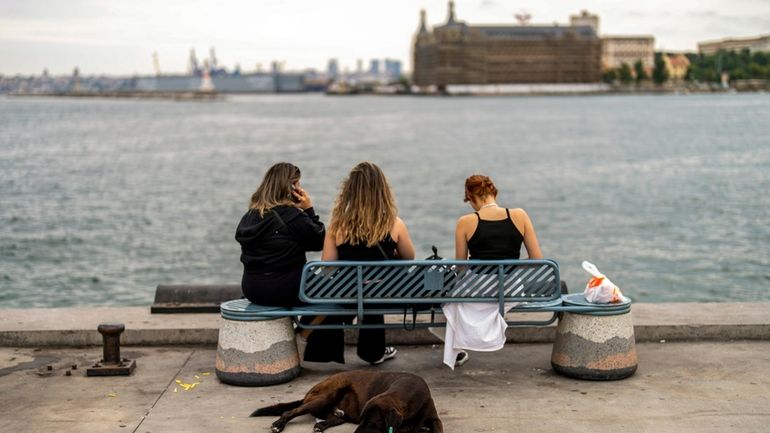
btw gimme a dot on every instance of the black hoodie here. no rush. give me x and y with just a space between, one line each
272 244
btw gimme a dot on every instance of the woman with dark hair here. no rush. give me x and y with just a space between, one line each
276 231
365 226
491 232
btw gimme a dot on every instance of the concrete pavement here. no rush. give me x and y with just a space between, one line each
679 387
702 367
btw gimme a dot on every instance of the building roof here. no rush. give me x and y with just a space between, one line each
742 39
678 60
526 32
629 37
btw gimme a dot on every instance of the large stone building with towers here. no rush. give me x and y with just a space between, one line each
457 53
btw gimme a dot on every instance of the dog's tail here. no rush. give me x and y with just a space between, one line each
277 409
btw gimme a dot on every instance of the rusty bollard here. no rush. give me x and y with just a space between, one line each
111 364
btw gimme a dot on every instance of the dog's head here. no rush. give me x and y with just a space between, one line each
378 418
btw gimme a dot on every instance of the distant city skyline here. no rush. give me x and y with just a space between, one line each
119 38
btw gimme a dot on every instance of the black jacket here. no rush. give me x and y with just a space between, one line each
272 244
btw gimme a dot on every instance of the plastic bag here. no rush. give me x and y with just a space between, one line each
600 290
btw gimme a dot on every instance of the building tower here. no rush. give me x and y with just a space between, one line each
192 64
424 54
585 19
332 68
213 66
156 63
451 18
374 67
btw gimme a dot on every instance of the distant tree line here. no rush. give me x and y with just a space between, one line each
740 65
626 74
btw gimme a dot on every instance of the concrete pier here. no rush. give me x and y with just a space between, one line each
702 367
77 326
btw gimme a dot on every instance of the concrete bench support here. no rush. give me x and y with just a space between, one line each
595 347
257 352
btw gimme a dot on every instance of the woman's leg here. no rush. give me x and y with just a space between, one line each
278 289
371 342
326 345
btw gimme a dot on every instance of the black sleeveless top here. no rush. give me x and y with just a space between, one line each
495 240
360 252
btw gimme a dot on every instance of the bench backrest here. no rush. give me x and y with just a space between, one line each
430 281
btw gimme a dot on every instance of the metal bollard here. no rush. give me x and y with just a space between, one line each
111 363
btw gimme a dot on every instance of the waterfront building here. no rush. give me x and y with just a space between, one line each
629 49
617 49
753 44
676 65
457 53
585 19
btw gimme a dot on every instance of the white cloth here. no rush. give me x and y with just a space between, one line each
472 326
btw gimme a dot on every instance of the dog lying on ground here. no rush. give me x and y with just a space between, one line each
381 402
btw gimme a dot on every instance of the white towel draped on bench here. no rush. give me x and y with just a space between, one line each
472 326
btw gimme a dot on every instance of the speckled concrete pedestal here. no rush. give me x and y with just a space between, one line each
595 347
257 353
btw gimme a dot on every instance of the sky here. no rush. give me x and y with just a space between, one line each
118 37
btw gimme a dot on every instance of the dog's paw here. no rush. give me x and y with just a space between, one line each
339 413
276 428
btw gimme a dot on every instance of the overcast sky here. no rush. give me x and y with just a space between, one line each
119 36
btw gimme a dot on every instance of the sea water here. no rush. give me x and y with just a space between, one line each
102 200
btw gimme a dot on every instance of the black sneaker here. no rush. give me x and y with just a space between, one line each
390 353
462 358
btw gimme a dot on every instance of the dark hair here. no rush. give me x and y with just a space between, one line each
479 185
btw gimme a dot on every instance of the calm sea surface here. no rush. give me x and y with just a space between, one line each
102 200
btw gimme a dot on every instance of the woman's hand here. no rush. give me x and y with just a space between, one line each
301 198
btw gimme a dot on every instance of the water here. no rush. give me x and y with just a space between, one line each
102 200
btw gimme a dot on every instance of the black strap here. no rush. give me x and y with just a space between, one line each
382 251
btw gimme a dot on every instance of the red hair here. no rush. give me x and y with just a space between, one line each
479 185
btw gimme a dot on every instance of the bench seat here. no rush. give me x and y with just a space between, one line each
417 288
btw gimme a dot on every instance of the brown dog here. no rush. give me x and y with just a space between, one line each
389 402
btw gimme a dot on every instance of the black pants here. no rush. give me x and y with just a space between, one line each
328 345
281 289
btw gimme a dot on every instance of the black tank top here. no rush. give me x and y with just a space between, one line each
495 240
360 252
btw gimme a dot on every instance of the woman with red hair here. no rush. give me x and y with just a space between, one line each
491 232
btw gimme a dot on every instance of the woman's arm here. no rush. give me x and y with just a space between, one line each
308 230
461 239
530 237
404 245
329 253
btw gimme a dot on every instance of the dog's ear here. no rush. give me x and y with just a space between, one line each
393 420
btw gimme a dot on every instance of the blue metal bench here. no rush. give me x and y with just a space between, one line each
417 288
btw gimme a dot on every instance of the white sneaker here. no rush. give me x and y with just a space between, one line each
390 353
462 358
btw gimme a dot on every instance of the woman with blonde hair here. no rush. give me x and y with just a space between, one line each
364 225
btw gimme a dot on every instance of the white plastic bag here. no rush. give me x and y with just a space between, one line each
600 290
